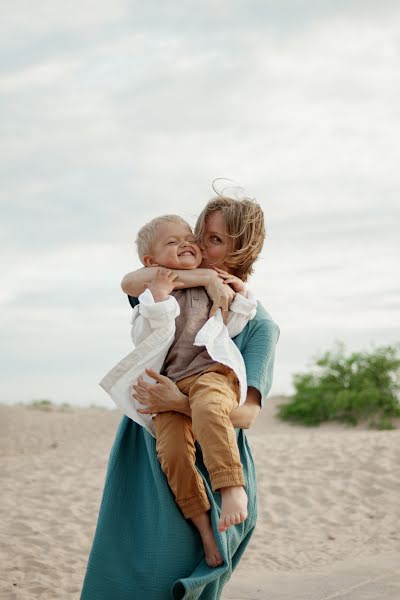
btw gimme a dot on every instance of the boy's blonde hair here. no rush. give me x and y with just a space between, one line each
244 220
146 235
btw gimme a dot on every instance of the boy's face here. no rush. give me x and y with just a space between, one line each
174 248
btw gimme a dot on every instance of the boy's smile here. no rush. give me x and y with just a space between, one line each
174 248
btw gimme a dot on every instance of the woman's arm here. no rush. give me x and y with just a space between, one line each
244 417
165 396
135 283
258 354
258 351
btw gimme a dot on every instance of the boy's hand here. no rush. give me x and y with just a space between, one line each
162 284
236 284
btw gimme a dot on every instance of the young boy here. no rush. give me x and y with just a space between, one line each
173 334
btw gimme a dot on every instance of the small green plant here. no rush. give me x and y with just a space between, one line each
363 386
42 404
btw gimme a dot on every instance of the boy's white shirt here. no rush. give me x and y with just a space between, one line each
153 332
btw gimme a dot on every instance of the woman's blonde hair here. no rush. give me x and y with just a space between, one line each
244 220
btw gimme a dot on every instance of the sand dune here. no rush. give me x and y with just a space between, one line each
324 495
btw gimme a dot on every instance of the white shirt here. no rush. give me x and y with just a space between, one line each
153 332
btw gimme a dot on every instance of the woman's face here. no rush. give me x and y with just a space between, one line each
216 244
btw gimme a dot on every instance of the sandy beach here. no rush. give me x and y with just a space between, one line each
328 498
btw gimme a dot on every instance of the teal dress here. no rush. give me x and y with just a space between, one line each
143 548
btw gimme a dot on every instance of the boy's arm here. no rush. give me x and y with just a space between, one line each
221 295
156 308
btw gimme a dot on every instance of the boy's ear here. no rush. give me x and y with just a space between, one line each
149 261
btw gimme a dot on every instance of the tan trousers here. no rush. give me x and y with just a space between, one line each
212 395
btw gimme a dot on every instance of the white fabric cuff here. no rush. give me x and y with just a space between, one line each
158 313
246 306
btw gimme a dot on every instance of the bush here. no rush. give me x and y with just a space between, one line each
42 404
362 386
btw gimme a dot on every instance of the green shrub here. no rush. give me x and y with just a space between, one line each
42 404
361 386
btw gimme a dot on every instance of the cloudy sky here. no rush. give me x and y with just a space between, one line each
115 112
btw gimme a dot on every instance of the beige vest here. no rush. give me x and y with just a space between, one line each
183 358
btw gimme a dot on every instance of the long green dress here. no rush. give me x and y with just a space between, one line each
143 548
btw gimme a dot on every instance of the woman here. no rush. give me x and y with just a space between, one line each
143 547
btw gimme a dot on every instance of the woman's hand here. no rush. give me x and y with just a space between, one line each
234 282
164 396
221 295
161 396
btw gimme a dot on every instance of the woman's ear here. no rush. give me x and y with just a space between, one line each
149 261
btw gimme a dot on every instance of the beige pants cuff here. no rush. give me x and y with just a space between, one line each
194 506
230 478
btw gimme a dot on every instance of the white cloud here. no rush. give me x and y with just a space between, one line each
115 113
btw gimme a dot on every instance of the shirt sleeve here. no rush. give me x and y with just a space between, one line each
259 355
241 311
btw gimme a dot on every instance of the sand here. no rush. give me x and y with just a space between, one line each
326 495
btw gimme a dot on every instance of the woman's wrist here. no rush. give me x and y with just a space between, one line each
135 283
213 284
183 405
195 277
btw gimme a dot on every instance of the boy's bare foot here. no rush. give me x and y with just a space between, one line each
234 507
213 557
212 554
